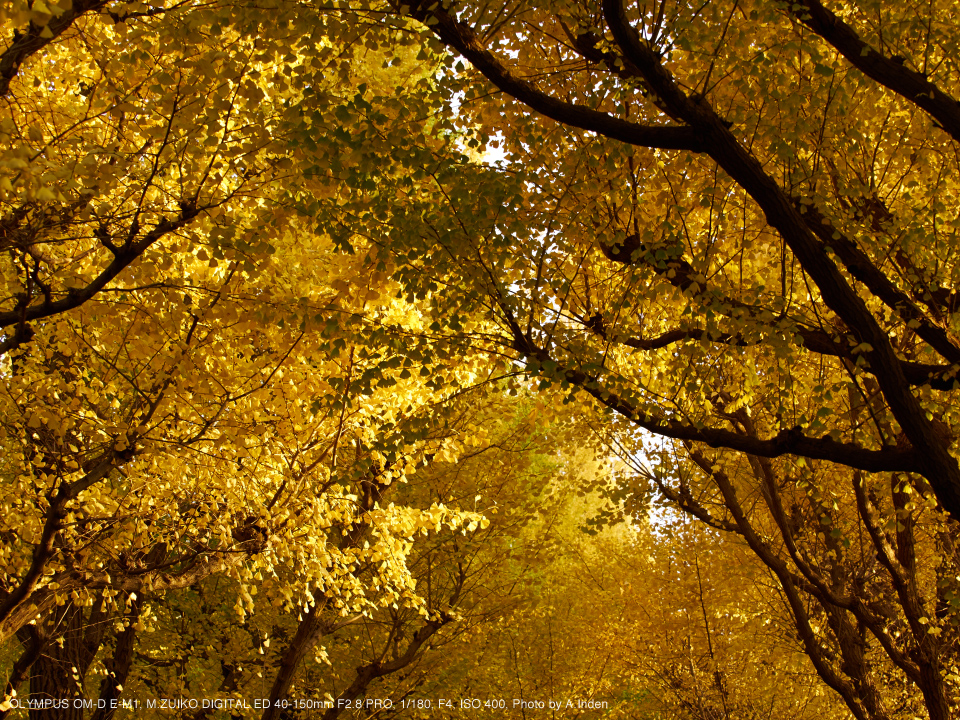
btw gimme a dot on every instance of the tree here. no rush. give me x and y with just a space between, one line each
253 253
809 207
462 578
197 388
730 225
656 618
329 640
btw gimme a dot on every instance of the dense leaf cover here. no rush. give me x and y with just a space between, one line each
515 350
737 231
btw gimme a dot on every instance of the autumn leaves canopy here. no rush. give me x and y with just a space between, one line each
271 271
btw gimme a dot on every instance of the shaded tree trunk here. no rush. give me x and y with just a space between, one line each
118 667
72 641
32 645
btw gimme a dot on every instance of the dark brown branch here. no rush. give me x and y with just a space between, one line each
461 38
313 625
683 498
828 594
936 376
922 665
679 273
125 255
310 629
31 652
938 465
118 667
864 270
45 548
202 565
377 669
27 43
889 72
786 442
814 650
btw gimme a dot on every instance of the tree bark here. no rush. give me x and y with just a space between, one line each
118 667
32 646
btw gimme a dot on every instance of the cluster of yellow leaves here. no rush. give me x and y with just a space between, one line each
198 386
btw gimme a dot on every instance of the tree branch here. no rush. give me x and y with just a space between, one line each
121 259
679 273
461 38
371 671
864 270
889 72
27 43
786 442
938 465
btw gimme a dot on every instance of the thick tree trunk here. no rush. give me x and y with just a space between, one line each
72 640
55 682
309 630
32 645
934 696
118 667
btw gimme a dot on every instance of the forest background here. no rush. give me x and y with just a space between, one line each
593 352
